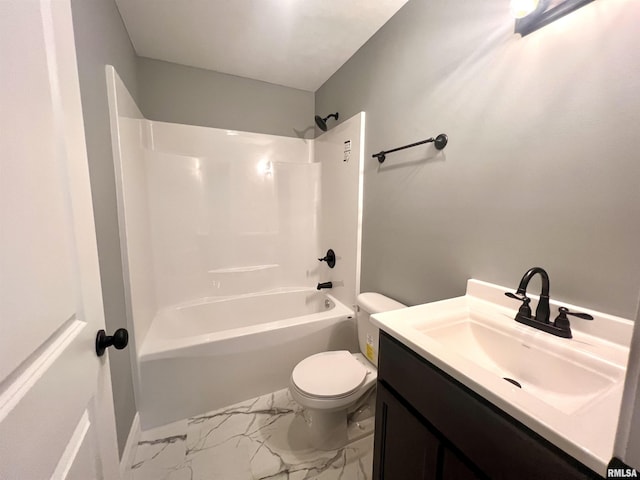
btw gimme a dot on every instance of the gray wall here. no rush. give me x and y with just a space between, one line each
101 39
179 94
542 165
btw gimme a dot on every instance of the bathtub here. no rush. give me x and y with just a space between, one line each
216 352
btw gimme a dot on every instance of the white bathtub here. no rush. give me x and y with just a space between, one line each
213 353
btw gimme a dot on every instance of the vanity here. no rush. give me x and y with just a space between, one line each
465 391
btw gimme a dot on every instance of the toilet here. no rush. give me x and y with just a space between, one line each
328 384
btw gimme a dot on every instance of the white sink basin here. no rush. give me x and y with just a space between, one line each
563 378
570 389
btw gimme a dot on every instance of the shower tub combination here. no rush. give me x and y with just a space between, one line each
211 218
215 352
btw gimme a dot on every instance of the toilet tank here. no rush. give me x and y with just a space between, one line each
369 304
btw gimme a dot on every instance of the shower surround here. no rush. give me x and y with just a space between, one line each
230 212
211 215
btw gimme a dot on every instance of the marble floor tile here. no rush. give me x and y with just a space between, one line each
160 451
227 462
259 439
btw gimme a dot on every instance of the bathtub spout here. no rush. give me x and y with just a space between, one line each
324 285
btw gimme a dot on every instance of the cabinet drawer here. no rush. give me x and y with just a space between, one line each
497 444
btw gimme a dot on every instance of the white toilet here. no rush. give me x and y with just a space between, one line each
327 384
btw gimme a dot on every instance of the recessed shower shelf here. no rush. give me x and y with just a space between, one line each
248 268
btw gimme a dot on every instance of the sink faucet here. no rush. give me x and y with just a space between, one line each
541 318
542 311
560 327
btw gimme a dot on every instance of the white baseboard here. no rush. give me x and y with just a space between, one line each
129 453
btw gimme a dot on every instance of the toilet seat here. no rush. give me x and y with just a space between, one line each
329 375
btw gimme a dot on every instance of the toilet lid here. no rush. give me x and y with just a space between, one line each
329 374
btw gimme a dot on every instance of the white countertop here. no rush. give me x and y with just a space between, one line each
584 426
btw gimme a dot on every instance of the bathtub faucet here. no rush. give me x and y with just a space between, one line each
324 285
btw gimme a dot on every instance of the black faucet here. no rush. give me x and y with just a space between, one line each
324 285
560 327
542 311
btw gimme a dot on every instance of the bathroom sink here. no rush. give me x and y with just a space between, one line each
568 390
562 377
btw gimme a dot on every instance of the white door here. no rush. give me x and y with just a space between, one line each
56 408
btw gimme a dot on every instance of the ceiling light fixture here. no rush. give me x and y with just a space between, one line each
522 8
534 14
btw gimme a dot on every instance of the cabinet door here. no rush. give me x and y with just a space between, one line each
404 448
454 468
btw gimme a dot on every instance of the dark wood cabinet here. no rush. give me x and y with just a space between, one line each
430 426
407 449
454 467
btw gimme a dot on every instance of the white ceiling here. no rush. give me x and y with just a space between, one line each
295 43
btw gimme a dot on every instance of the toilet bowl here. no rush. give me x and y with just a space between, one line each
328 384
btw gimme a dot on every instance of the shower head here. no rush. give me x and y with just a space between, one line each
322 122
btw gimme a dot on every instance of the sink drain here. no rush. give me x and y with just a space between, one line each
511 380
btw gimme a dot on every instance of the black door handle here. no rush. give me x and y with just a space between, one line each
119 339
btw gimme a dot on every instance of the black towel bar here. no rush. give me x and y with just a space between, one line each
440 142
